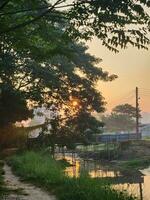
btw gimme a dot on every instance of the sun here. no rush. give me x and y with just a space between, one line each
75 103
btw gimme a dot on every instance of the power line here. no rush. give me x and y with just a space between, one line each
144 89
124 98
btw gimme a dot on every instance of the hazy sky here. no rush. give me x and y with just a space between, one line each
133 69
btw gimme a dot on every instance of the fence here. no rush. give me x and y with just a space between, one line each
118 137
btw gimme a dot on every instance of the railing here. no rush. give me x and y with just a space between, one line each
122 137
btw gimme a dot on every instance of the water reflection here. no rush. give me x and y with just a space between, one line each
134 182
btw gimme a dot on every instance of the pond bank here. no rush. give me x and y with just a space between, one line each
132 155
42 170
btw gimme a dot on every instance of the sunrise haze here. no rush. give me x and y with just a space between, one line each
133 69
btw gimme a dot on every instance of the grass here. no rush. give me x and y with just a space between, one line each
44 171
39 168
135 164
95 147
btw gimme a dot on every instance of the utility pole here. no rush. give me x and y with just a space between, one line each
137 112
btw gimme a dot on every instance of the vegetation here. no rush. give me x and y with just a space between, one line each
35 68
43 62
38 167
126 109
84 19
12 137
135 164
85 188
122 118
43 170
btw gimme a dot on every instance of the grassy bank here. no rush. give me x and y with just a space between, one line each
42 170
129 155
135 164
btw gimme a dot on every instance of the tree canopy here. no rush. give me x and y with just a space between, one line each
109 20
37 77
42 60
122 118
126 109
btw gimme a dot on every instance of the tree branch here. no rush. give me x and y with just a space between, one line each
13 28
41 8
4 4
24 10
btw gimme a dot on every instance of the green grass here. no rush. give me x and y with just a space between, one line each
136 163
95 147
147 138
85 188
41 169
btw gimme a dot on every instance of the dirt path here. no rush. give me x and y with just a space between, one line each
27 191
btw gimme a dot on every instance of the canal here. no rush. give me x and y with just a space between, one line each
134 182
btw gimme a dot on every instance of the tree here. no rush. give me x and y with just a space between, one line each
126 109
122 118
118 122
109 20
12 106
40 54
51 81
83 126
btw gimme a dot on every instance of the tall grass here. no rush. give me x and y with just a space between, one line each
136 163
38 167
86 188
41 169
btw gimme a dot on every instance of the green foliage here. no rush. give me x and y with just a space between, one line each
40 55
12 137
36 64
135 163
109 20
126 109
38 168
122 118
83 126
85 188
118 122
43 170
36 68
12 106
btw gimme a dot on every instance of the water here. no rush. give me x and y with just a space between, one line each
134 182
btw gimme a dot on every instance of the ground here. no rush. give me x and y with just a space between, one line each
23 191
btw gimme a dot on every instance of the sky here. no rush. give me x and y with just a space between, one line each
133 69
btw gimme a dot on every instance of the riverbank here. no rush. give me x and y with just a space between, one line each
130 156
40 169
